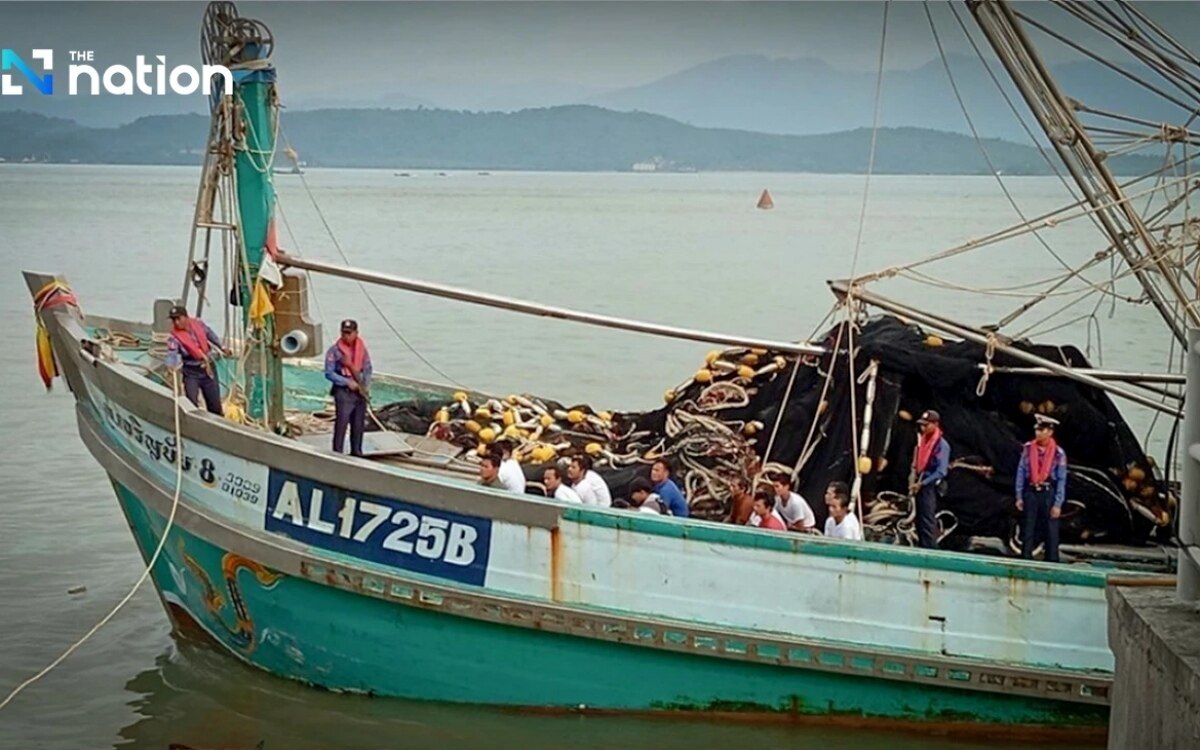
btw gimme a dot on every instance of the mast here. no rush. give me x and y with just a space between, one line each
1056 115
238 182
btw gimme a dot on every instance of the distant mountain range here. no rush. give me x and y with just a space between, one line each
570 138
803 96
746 92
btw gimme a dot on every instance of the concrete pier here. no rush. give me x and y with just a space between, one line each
1156 690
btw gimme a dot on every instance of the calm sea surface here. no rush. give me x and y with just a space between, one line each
683 249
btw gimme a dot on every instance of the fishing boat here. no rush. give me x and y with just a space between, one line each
398 575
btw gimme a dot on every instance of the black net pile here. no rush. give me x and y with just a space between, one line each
717 426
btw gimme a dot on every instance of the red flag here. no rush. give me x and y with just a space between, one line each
272 244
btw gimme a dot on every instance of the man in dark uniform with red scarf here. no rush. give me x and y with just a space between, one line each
348 367
1041 488
191 349
931 464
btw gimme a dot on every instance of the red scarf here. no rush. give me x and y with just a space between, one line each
194 340
352 359
925 446
1039 467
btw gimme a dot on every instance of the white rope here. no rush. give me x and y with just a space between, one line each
145 573
1012 201
870 376
806 450
1053 218
988 354
268 164
862 223
363 287
787 394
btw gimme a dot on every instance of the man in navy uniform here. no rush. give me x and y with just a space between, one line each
931 464
1041 488
191 350
348 367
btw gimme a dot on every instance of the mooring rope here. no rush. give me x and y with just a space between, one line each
145 573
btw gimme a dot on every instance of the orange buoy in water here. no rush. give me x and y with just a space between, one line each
764 200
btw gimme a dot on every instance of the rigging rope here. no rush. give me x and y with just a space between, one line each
1049 219
295 242
145 573
851 310
363 287
987 157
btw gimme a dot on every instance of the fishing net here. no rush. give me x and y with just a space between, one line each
716 427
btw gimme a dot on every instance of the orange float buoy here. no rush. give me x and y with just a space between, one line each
764 200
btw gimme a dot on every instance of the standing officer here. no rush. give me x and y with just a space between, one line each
348 367
1041 488
190 349
931 464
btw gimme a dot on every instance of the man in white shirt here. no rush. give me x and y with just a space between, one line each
589 485
557 488
841 524
511 474
792 508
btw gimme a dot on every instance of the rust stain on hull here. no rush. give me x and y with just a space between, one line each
964 729
556 555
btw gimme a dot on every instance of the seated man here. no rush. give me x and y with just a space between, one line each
764 512
741 503
642 497
511 475
557 488
489 471
590 486
665 488
792 508
841 524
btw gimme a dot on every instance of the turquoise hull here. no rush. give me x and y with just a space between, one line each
345 641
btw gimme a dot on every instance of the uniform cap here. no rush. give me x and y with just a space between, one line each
1041 420
929 415
349 325
178 311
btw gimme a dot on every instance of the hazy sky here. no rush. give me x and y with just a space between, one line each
458 50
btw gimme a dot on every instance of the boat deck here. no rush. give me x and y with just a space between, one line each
309 410
309 407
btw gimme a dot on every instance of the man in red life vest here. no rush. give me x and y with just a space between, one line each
191 349
348 367
1041 488
931 464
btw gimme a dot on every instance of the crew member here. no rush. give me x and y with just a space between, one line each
791 507
764 512
555 486
511 474
191 349
1041 488
642 497
931 463
741 502
489 471
666 489
841 523
589 485
348 367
